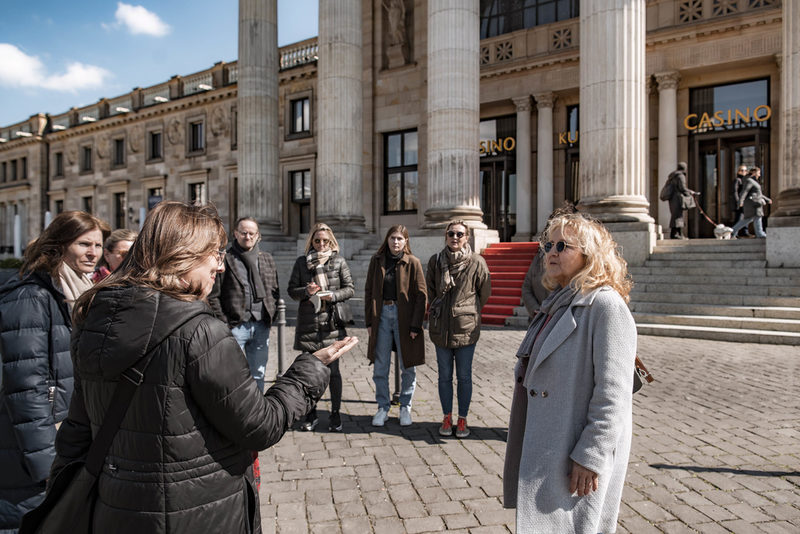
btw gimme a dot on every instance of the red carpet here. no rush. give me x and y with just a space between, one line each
508 263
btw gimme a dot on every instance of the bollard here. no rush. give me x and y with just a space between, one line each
280 321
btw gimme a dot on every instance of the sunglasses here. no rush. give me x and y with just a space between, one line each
322 241
560 246
455 234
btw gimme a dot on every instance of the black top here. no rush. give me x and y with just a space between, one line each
390 277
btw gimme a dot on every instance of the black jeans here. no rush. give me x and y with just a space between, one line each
336 391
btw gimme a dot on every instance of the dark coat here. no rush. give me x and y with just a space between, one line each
316 330
681 196
181 461
533 292
460 323
752 199
227 298
412 298
36 388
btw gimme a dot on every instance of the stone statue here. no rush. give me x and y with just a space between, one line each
396 14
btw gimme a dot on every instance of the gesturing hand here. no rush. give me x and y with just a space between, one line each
333 352
582 480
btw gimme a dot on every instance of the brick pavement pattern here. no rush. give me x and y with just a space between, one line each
716 448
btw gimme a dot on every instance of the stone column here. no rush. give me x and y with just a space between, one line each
784 223
453 188
524 231
544 159
667 136
339 132
613 121
259 183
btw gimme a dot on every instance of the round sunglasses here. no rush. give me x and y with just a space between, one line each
560 246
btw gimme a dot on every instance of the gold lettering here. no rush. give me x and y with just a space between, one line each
718 120
495 146
562 138
766 116
705 122
483 148
686 121
745 118
729 117
569 137
509 143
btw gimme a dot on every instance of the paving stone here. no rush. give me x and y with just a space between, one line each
411 509
318 513
424 524
456 521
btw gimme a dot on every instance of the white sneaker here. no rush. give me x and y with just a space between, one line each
405 416
380 417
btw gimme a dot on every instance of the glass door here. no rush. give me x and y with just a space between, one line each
498 198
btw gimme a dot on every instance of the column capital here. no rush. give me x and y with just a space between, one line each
523 103
545 100
668 80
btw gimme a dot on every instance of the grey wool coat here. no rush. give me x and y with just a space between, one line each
573 401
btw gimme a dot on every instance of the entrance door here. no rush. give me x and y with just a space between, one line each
716 163
498 198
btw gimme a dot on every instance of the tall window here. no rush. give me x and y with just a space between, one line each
729 107
13 170
119 152
59 164
154 196
120 209
301 195
23 169
86 159
87 204
506 16
301 115
196 137
3 170
155 146
197 193
400 172
59 206
234 127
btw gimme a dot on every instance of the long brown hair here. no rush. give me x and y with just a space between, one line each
396 228
47 251
120 234
174 239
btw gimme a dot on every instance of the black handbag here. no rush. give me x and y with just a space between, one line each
342 315
68 507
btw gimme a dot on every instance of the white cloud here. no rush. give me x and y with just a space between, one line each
18 69
139 20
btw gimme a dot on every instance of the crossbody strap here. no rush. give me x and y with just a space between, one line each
130 380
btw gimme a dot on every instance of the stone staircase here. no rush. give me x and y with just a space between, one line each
508 263
718 290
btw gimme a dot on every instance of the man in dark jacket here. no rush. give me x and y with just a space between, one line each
244 296
37 382
681 200
736 191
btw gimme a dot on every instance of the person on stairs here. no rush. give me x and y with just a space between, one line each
682 199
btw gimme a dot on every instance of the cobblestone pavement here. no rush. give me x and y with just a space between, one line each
716 448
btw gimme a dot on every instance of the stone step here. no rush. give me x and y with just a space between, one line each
717 321
707 265
734 279
741 273
724 299
707 256
516 321
721 289
719 334
766 312
705 243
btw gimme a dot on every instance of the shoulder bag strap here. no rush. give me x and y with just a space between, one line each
130 379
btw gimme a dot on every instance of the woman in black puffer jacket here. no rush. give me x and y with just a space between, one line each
36 377
181 461
320 280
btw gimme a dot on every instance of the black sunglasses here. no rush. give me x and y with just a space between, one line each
560 246
455 234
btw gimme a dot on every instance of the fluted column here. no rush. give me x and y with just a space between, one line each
339 185
259 183
453 188
612 112
667 135
544 159
523 231
788 201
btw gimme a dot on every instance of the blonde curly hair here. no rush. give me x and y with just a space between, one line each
604 265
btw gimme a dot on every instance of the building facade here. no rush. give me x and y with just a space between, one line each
392 145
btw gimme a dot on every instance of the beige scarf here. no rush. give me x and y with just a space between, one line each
72 283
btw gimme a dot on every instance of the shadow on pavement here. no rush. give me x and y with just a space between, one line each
750 472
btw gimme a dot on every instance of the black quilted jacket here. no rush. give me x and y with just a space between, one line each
181 461
36 378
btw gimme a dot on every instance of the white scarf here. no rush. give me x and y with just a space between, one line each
72 283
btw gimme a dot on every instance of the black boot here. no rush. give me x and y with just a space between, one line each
311 421
335 422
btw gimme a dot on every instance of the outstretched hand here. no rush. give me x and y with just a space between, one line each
333 352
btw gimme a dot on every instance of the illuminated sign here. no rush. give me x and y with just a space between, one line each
727 117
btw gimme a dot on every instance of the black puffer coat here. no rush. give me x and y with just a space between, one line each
181 461
36 389
316 330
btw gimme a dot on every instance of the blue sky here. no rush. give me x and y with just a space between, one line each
55 54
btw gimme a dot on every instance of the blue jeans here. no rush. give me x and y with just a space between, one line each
463 359
389 329
253 339
744 221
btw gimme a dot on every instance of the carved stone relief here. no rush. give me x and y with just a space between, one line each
398 25
175 132
219 121
136 138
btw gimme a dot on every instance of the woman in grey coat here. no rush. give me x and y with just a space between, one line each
752 201
569 435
